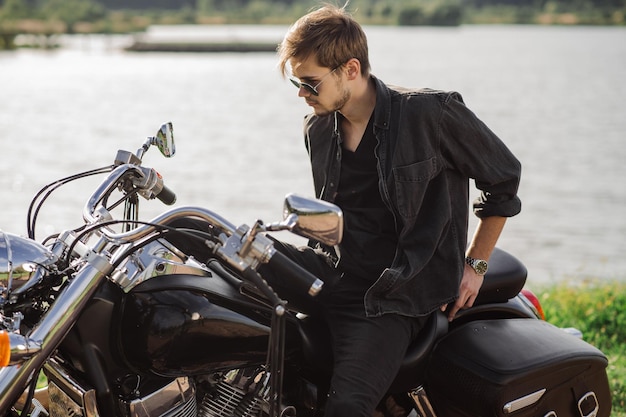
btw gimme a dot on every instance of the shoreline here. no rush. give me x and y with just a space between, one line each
240 47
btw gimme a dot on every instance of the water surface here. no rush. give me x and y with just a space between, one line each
553 94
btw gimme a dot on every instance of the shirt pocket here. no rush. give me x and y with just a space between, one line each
411 182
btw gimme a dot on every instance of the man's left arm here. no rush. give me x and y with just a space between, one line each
484 240
477 152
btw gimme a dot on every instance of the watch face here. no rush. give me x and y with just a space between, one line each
480 267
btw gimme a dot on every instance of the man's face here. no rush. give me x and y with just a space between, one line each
328 83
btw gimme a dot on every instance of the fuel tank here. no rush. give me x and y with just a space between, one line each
175 325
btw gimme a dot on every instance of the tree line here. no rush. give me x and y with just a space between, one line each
109 16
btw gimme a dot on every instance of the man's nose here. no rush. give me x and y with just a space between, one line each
303 92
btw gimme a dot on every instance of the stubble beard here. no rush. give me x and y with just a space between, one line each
337 105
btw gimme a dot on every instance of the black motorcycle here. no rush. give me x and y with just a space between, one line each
112 319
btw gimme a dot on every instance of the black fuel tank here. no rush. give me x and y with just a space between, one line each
174 325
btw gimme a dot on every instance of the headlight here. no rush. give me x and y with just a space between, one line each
19 259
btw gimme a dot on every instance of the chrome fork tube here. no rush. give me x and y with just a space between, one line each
52 328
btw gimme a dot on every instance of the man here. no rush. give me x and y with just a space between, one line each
398 163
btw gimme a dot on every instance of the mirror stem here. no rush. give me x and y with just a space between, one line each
144 148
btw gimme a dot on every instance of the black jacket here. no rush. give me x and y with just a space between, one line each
429 146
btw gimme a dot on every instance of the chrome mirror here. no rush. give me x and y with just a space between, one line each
164 140
314 219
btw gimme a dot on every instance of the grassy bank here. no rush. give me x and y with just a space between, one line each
598 309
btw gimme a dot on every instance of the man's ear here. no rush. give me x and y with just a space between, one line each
352 68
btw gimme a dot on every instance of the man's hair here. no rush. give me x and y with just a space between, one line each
328 33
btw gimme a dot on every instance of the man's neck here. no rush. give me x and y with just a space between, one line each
356 114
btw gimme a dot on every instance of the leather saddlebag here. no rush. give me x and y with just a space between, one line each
517 368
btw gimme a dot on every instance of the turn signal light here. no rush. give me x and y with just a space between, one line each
5 349
15 348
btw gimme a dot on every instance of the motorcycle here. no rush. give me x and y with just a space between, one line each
112 319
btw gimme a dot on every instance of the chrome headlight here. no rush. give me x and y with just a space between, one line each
19 259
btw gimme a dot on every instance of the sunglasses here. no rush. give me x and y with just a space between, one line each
308 87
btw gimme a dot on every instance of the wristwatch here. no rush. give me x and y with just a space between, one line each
478 265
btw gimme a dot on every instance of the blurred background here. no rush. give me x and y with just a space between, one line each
80 79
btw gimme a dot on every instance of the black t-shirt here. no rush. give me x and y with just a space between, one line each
369 240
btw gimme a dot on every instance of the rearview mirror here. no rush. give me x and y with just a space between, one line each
164 140
314 219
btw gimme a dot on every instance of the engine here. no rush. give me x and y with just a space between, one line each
236 393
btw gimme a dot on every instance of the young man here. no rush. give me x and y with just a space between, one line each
398 162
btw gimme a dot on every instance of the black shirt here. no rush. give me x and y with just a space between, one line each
369 239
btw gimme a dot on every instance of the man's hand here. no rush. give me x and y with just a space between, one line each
485 237
468 291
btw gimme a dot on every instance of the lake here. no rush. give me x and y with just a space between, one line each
555 95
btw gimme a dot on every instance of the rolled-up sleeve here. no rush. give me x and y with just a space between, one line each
489 204
473 149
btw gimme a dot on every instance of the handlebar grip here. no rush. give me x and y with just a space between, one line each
301 278
167 196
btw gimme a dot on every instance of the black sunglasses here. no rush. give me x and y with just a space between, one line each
308 87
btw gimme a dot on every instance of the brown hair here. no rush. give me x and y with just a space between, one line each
331 34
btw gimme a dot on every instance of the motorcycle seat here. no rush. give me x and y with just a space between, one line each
413 366
318 354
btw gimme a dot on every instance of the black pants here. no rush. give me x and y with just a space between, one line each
367 351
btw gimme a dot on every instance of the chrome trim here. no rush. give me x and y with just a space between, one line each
155 259
38 409
61 404
573 331
20 259
316 287
66 393
422 403
523 402
589 396
176 394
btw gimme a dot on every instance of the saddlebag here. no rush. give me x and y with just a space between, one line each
517 368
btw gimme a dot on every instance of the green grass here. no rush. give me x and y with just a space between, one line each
598 309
